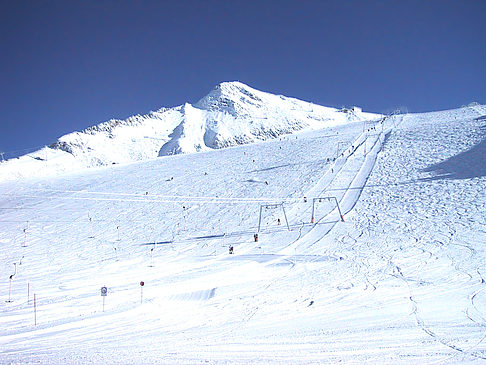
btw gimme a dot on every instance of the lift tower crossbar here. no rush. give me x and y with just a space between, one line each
270 206
329 198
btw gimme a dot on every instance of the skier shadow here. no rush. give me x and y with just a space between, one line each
465 165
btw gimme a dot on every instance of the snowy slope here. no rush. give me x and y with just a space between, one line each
401 280
232 114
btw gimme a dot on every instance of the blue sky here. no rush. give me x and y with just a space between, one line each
67 65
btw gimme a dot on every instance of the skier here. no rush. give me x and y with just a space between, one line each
231 250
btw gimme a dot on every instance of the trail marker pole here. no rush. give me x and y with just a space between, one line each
313 220
9 291
25 238
35 311
141 291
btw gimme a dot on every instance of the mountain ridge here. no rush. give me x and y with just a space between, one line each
231 114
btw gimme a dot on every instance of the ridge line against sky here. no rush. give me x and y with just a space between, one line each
66 66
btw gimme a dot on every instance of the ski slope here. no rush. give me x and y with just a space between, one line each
400 280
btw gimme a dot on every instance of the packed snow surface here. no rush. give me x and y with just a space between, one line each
395 275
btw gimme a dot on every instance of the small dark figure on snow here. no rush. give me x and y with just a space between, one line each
231 250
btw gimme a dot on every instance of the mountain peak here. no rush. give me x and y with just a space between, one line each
232 97
231 114
233 87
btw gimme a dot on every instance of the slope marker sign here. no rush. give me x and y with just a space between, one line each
104 293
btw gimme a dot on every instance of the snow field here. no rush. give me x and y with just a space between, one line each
400 281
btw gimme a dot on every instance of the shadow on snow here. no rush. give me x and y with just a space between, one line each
465 165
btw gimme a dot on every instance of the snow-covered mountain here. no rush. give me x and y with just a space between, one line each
397 275
353 243
231 114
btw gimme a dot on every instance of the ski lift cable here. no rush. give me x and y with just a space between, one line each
182 197
174 200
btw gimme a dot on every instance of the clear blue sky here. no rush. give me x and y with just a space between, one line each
66 65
